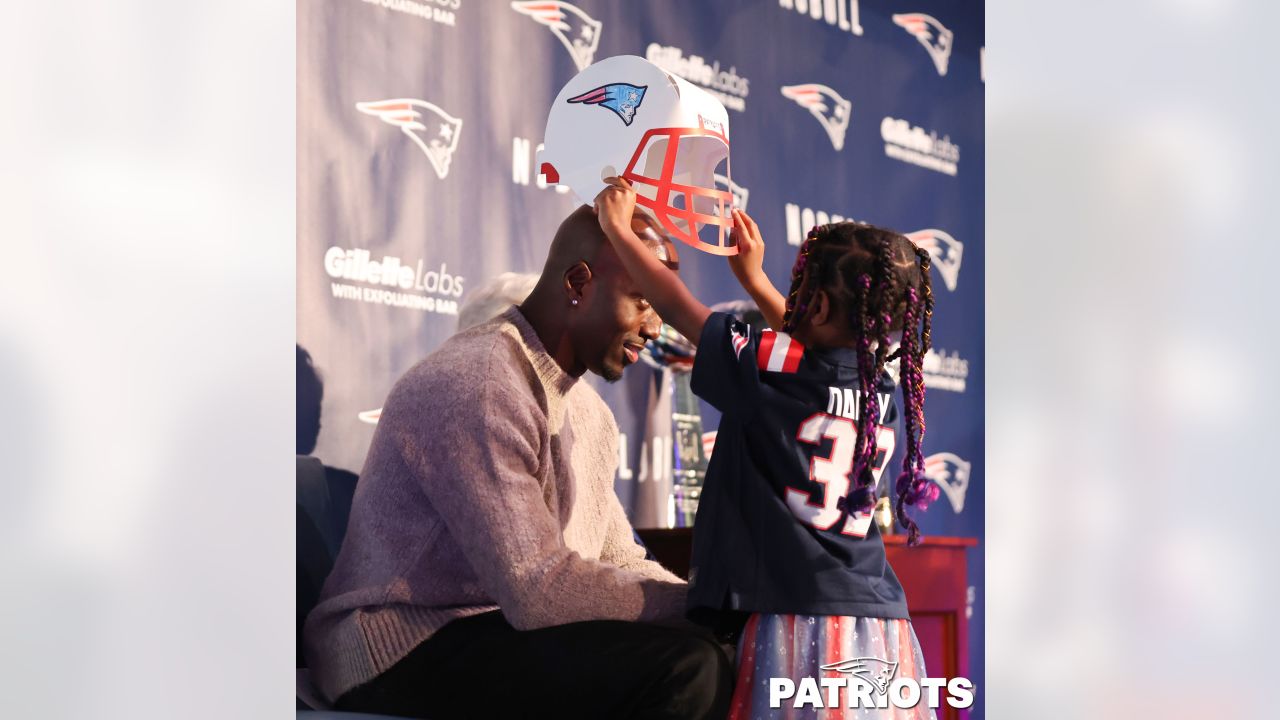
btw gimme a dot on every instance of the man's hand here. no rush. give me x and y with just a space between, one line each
748 264
615 205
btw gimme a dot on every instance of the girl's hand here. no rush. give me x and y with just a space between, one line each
658 283
748 267
615 204
748 264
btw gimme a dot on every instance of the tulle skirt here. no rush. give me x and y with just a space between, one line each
878 650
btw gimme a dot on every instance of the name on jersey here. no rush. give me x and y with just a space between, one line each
843 402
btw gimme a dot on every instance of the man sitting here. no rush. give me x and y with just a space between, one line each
488 567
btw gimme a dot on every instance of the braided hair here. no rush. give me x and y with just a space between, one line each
879 280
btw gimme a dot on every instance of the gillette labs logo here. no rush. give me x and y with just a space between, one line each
727 86
395 283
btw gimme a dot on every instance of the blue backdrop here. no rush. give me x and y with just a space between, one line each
868 110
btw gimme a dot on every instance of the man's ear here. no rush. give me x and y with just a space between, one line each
821 312
576 279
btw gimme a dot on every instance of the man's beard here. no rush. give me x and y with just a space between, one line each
610 374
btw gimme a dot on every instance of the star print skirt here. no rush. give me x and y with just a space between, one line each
796 647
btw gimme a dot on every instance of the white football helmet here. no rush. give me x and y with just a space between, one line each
625 116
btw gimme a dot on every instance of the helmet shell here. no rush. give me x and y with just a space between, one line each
626 117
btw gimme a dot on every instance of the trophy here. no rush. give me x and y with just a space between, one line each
673 355
686 463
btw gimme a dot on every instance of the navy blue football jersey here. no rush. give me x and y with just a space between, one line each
770 534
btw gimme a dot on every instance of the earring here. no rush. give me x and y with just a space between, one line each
573 301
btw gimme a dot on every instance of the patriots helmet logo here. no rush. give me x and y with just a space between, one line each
739 336
945 250
826 105
622 98
951 473
576 30
431 129
932 35
874 670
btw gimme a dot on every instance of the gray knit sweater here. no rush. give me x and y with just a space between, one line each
489 484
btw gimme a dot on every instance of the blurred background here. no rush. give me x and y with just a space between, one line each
1131 171
148 299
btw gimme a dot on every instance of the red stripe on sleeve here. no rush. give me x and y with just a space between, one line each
795 351
765 350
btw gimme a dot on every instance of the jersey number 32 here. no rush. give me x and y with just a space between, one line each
833 473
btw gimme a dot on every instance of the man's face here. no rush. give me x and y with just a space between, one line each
615 320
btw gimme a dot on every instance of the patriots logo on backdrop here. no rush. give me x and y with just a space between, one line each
577 31
951 473
932 35
874 670
945 250
432 129
826 105
622 98
370 416
738 192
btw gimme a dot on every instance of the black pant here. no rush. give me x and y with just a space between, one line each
481 667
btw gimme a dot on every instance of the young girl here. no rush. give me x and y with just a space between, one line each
783 537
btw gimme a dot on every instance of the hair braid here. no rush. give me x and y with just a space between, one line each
864 327
875 322
888 288
798 304
913 487
883 323
879 281
926 331
907 478
926 284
